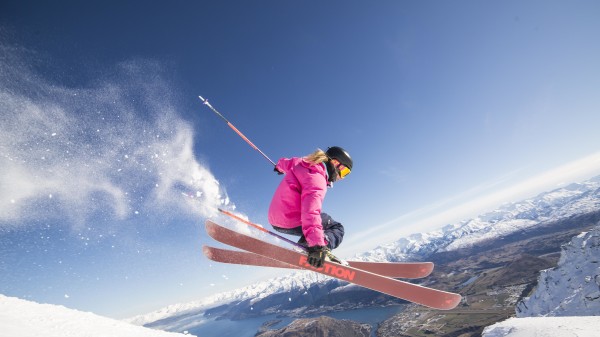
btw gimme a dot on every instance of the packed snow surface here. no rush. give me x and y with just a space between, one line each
21 318
587 326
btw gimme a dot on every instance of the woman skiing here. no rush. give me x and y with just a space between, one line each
296 205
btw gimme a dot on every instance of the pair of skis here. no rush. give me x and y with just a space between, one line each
411 270
378 276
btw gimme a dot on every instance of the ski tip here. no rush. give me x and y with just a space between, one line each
208 252
210 223
451 302
211 228
202 98
427 269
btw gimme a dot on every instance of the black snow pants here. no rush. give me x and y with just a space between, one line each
333 230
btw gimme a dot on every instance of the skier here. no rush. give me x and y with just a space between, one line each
296 205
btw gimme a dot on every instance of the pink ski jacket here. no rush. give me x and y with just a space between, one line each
299 198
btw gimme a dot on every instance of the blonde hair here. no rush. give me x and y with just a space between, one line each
317 157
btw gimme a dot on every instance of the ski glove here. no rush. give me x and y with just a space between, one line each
277 171
317 255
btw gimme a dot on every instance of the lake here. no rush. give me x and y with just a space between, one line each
249 327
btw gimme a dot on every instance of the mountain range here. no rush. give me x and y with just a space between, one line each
493 260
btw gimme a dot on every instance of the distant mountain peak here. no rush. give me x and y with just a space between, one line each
573 199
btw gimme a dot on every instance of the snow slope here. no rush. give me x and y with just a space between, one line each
545 327
21 318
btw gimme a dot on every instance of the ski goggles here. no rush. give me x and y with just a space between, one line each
343 171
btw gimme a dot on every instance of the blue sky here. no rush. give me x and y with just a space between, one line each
448 108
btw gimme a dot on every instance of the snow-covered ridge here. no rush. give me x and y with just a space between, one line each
574 199
29 319
573 287
571 200
295 280
571 290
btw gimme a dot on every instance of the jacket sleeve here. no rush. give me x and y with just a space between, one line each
314 187
284 164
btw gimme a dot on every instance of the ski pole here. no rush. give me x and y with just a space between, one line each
251 224
236 130
260 228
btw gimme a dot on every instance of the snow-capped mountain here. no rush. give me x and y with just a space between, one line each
187 311
573 287
575 199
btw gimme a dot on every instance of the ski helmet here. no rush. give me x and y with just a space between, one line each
336 152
